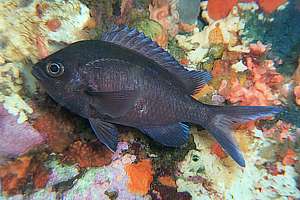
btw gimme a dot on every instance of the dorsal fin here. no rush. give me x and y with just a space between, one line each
137 41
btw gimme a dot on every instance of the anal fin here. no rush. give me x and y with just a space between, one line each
173 135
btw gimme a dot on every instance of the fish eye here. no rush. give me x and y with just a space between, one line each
55 69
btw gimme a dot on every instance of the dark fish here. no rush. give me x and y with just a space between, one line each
127 79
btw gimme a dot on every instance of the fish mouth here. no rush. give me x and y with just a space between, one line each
37 72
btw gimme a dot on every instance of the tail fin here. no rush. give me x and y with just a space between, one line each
221 120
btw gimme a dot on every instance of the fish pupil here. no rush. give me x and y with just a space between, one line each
54 68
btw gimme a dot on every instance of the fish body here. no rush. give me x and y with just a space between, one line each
127 79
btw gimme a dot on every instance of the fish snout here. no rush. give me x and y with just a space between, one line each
36 72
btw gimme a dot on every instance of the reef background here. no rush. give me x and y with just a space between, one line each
252 50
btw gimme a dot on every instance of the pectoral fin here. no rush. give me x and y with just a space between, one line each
106 133
173 135
113 103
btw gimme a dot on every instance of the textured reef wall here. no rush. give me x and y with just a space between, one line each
250 47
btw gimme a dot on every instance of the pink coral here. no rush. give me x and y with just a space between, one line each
279 132
297 94
296 76
16 138
258 48
159 11
164 13
290 157
259 89
41 47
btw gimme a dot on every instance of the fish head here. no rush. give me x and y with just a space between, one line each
60 76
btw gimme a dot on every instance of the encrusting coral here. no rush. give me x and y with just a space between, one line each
86 156
218 9
56 128
140 177
15 175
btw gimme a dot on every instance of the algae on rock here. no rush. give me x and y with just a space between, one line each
11 91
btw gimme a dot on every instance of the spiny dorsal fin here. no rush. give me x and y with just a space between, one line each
137 41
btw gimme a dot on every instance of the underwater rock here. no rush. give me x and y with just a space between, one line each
239 67
56 128
221 32
285 42
46 193
260 88
169 193
175 50
86 156
153 30
167 181
290 158
30 25
186 27
26 172
218 151
280 132
40 175
16 138
11 91
101 182
204 175
216 51
13 175
59 172
215 36
283 185
188 11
